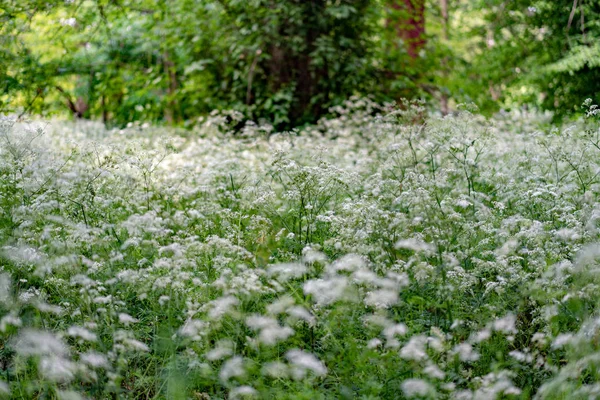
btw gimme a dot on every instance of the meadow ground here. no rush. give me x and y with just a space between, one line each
365 257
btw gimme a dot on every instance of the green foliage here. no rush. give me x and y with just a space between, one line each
289 62
543 53
285 61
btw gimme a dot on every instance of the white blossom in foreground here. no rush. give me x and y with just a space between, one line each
416 388
328 290
270 330
303 362
233 367
31 342
242 392
415 349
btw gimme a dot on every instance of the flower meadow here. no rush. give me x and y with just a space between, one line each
378 254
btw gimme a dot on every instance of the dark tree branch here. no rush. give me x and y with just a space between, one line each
70 104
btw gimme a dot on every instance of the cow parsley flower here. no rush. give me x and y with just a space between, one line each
234 367
303 362
416 388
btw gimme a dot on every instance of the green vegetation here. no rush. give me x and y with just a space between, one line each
365 257
287 62
299 199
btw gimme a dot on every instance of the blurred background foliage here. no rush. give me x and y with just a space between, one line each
288 61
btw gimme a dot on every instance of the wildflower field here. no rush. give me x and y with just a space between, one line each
377 254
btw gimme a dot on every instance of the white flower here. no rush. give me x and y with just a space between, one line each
463 203
275 369
562 340
10 320
270 330
57 369
82 333
280 305
414 349
135 345
286 271
326 291
32 342
68 22
568 234
4 388
103 299
5 289
260 322
234 367
94 359
193 329
482 335
539 339
465 352
273 334
506 325
242 392
395 329
383 298
221 306
416 387
302 313
303 362
433 371
311 256
349 262
414 245
224 348
520 356
69 395
132 344
126 319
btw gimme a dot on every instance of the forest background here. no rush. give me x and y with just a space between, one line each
288 62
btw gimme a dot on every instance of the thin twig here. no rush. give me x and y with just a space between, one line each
30 104
572 15
582 21
251 76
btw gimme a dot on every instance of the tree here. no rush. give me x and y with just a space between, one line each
409 24
543 53
284 61
299 57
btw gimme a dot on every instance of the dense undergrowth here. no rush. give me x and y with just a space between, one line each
365 257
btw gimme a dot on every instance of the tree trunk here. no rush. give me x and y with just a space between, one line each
104 110
77 107
410 26
171 72
445 18
445 35
287 65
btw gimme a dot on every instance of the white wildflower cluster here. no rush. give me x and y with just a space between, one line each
374 255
